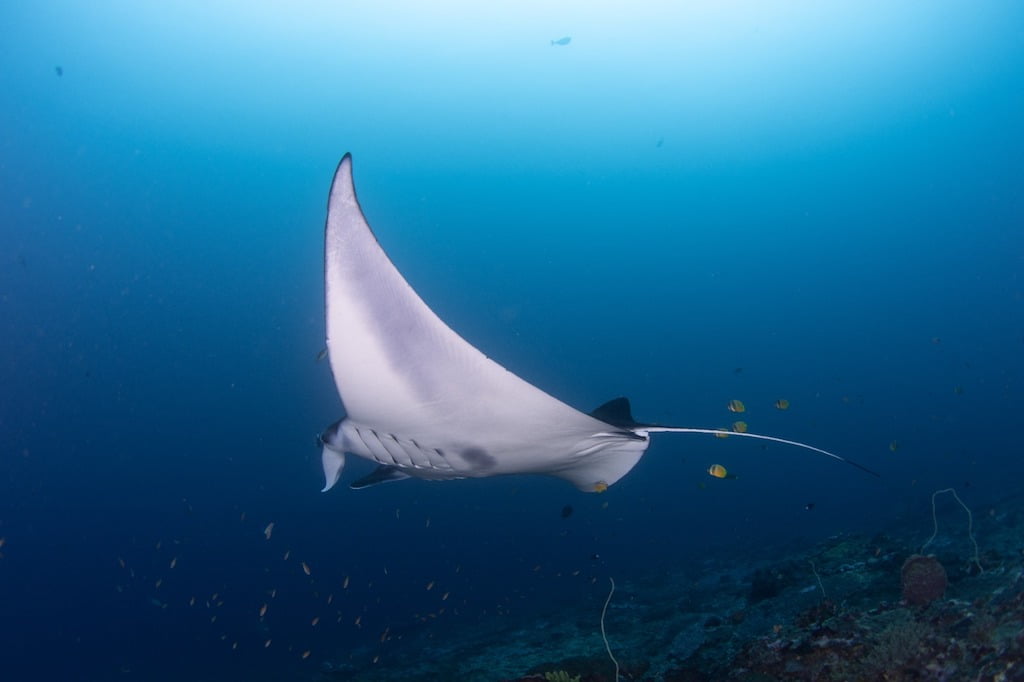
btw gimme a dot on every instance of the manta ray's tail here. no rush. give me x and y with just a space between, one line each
617 412
720 432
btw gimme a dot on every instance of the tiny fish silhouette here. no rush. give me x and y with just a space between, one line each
561 41
60 71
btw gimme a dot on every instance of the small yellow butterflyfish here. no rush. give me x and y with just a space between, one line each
739 427
782 404
736 406
719 471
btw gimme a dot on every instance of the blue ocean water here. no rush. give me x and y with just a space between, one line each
688 203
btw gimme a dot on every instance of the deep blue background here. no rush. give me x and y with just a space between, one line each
826 196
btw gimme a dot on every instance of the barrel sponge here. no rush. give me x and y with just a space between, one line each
924 579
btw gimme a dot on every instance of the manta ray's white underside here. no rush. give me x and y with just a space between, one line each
422 402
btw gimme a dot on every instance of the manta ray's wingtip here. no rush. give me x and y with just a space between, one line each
344 168
343 189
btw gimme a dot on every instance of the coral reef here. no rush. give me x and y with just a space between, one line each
848 608
560 676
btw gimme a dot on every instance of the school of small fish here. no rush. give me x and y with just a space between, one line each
340 610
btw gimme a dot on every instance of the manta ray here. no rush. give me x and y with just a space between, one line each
422 402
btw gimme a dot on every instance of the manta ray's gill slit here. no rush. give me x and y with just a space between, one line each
419 458
440 461
395 449
424 458
373 446
390 450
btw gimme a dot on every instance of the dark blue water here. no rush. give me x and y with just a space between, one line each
685 205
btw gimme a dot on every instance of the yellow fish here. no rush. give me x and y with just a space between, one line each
719 471
736 406
782 404
739 427
894 446
721 433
